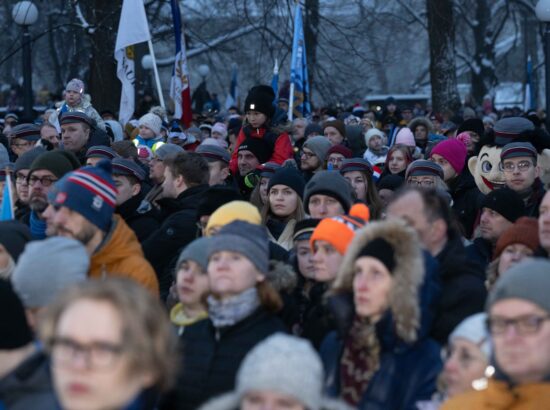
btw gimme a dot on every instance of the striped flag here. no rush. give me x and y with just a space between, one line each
299 84
7 213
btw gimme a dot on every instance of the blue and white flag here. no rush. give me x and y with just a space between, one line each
299 83
7 213
275 79
529 100
232 98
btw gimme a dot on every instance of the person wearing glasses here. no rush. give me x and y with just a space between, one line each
111 346
23 138
521 173
518 310
425 175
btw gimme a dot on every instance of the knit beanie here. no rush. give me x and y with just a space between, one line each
284 364
527 280
474 329
524 231
355 164
304 229
258 147
405 137
454 151
249 240
313 128
319 145
196 251
371 133
290 177
221 128
76 85
214 197
340 149
340 230
233 211
167 150
339 125
151 121
506 202
14 236
25 160
90 191
53 161
268 169
27 132
422 167
260 98
101 151
14 327
48 267
331 184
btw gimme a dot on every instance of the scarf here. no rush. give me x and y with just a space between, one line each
380 152
38 227
360 360
227 312
8 270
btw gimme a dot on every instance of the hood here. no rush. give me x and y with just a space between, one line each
421 121
281 276
231 401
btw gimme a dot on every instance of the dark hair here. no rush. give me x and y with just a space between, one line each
191 166
403 149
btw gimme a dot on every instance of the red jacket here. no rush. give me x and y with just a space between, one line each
282 149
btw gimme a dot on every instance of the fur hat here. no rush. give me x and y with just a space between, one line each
151 121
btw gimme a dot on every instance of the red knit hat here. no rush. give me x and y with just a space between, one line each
340 149
525 231
454 151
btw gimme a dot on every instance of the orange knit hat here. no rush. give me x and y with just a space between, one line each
339 230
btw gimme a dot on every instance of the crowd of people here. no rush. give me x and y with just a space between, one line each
371 259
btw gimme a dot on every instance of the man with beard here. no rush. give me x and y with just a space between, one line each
46 169
82 206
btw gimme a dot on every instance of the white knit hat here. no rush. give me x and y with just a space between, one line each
474 329
371 133
152 122
285 364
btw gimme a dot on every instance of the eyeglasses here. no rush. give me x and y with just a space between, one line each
20 144
307 154
522 166
44 181
20 179
423 182
97 355
523 325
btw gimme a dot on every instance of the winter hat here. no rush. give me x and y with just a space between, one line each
144 152
221 128
506 202
4 155
525 231
268 169
340 230
391 182
528 280
53 161
447 126
382 250
118 134
405 137
355 164
101 151
213 153
245 238
75 85
74 117
151 121
90 191
11 115
290 177
454 151
233 211
260 99
339 125
422 167
285 364
304 229
26 132
313 128
25 160
258 147
332 184
14 327
14 236
168 150
518 149
371 133
472 124
319 145
125 148
127 167
48 267
214 197
474 329
197 251
508 129
340 149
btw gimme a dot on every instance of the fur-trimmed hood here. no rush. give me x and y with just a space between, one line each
408 274
421 121
281 276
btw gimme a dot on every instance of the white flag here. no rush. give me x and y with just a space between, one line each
132 29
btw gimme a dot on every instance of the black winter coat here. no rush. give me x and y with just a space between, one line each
463 289
140 216
481 252
211 357
466 201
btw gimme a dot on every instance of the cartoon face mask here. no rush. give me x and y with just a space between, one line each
486 169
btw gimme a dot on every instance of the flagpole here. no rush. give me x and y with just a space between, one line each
155 70
291 95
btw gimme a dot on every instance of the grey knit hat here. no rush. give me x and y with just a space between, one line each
332 184
285 364
319 146
474 329
46 268
167 150
196 251
244 238
26 159
528 280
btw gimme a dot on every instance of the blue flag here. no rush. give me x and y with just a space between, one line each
233 96
299 84
529 97
7 201
275 80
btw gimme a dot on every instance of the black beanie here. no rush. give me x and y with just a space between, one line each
53 161
14 236
14 329
258 147
290 177
472 124
380 249
260 98
506 202
214 197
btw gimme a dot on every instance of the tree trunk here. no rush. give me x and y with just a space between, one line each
442 55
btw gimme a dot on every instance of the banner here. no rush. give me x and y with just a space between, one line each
299 84
132 29
180 87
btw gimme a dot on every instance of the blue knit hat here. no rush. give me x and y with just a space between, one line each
90 191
